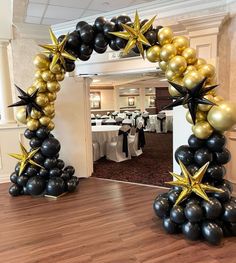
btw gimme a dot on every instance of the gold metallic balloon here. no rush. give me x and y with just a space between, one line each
60 76
181 43
204 107
32 124
222 116
42 100
52 115
163 65
37 74
44 120
48 110
35 114
207 70
167 52
21 115
165 36
192 79
190 55
170 75
153 53
177 64
51 96
202 130
199 62
56 69
200 116
41 62
53 86
189 69
51 126
47 75
40 85
173 92
31 90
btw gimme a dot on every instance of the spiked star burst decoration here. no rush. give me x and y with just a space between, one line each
25 158
192 184
57 50
135 34
27 100
191 97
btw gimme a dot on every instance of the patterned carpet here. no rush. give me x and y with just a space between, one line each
152 167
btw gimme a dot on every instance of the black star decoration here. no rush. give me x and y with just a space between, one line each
27 100
191 97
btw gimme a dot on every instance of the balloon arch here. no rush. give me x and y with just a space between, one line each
199 203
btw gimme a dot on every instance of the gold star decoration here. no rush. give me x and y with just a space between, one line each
192 184
25 158
57 50
135 34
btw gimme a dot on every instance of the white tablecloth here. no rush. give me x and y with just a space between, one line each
169 120
103 134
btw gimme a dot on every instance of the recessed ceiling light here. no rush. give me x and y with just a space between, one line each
96 80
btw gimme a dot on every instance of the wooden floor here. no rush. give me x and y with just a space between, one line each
103 222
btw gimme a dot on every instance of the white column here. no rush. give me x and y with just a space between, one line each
142 98
73 125
7 115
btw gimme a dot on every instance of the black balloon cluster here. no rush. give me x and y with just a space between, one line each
53 178
194 217
97 37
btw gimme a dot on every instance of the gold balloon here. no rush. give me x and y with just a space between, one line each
37 74
51 126
173 92
199 62
35 114
51 96
60 76
207 70
165 36
44 120
52 115
189 69
163 65
205 107
200 116
177 64
56 69
190 55
48 110
181 43
42 100
170 75
31 90
222 116
218 99
32 124
53 86
202 130
192 79
153 53
40 85
41 62
47 75
21 115
167 52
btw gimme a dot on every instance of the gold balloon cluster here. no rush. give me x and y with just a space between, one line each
182 66
47 77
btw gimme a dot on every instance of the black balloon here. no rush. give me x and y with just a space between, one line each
112 45
55 186
109 27
229 214
195 143
212 209
69 66
60 38
216 142
193 168
43 172
35 185
50 147
86 50
15 190
99 23
100 50
177 214
87 33
120 42
22 180
170 226
100 41
73 41
65 176
25 192
76 179
13 178
193 213
114 19
39 158
151 36
71 185
191 231
55 172
222 157
192 200
60 164
29 134
70 169
184 154
42 133
214 172
50 163
224 196
161 206
202 156
80 25
17 168
35 142
212 232
173 195
122 19
158 28
83 57
227 184
31 171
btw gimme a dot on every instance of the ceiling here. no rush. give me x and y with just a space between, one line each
49 12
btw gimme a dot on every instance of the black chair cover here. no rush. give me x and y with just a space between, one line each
125 142
145 118
135 120
141 138
129 114
161 117
114 115
93 123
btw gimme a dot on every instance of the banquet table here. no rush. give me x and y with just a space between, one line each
169 120
103 134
